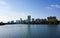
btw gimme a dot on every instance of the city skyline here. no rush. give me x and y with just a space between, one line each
30 19
16 9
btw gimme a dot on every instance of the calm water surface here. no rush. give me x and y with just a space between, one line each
29 31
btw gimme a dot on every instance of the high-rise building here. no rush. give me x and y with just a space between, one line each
21 20
12 21
33 20
17 21
51 18
29 18
37 20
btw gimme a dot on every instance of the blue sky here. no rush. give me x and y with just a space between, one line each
16 9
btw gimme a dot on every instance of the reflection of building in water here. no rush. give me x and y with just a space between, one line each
52 30
29 31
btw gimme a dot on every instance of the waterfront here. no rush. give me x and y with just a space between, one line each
29 31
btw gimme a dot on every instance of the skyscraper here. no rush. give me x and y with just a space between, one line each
21 20
29 18
33 20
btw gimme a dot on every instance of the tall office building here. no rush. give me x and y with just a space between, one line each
12 21
17 21
33 20
52 18
21 20
29 18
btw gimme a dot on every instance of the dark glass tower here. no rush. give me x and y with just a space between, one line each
29 18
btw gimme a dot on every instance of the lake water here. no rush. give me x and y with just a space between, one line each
29 31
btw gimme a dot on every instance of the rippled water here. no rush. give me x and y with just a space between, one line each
29 31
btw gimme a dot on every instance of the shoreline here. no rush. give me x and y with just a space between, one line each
25 23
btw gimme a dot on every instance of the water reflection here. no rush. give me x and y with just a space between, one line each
13 31
52 29
29 31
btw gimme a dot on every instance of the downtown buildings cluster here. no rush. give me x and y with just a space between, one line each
29 20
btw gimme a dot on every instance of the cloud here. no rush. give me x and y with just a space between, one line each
3 3
18 15
4 8
7 14
54 6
